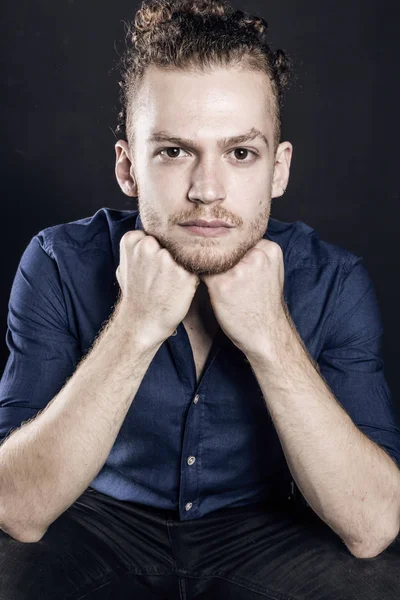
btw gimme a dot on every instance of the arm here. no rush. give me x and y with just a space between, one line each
78 414
67 444
351 482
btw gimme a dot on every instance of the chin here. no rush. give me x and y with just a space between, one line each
208 261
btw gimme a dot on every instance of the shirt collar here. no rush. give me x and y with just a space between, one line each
139 224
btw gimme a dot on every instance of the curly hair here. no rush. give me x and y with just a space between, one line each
196 35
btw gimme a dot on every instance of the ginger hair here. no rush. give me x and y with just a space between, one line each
197 36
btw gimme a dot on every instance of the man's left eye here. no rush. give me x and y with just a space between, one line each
244 150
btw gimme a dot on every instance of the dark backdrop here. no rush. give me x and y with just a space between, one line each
59 97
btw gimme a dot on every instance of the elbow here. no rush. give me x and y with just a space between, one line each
377 542
20 530
31 536
367 551
25 534
371 549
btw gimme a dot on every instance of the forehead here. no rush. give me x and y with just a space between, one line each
218 98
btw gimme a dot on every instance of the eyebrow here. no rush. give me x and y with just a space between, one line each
253 134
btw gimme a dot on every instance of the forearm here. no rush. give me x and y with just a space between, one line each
48 462
351 483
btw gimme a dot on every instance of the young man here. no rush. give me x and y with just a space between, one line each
240 358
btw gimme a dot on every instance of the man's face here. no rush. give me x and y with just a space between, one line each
177 182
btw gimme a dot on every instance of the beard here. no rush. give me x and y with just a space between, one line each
205 255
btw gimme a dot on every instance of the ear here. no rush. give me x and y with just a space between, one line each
124 169
281 169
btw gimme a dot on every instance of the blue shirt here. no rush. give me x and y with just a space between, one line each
65 290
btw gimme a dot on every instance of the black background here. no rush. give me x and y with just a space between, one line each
59 101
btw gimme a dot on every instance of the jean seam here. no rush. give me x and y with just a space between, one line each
271 595
182 588
168 524
117 577
103 584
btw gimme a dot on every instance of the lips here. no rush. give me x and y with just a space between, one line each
202 223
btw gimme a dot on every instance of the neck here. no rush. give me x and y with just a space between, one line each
200 302
200 313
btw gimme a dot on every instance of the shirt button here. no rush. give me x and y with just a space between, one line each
196 399
175 332
188 506
191 460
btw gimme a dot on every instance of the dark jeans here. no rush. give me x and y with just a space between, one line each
101 548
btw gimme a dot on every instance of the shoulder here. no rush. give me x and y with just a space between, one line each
302 246
100 230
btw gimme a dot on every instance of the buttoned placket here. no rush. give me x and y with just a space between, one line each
192 459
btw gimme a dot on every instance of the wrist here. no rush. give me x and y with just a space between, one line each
274 345
134 332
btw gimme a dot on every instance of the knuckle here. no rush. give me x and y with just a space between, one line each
164 254
150 242
131 237
275 249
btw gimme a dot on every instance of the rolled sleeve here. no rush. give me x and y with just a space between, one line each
352 363
43 352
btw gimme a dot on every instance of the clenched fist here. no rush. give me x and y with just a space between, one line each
156 292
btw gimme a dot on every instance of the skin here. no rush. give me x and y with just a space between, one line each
204 181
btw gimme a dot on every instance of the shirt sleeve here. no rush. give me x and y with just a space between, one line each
43 352
351 361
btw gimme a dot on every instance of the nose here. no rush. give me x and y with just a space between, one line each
208 181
